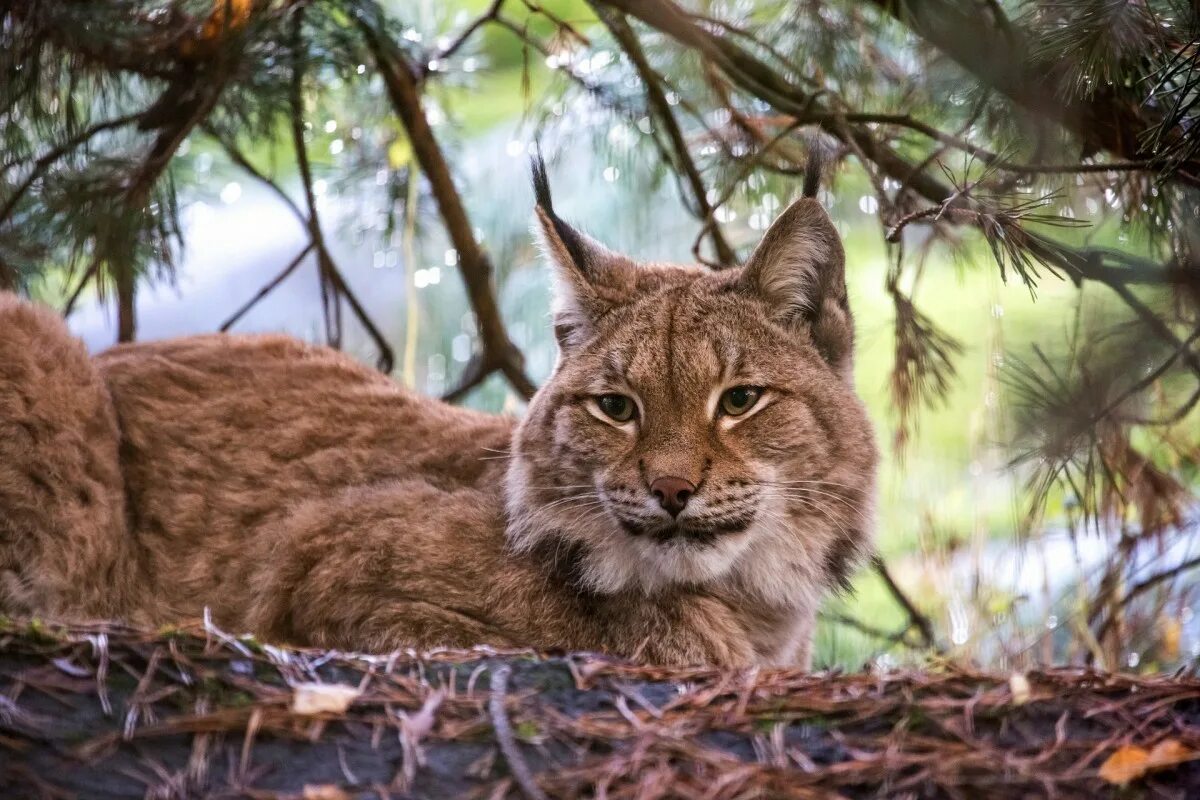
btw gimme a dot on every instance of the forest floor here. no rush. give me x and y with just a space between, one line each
109 712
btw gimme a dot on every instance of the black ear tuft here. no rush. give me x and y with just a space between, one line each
541 184
813 169
574 243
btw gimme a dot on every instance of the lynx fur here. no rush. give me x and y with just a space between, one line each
298 495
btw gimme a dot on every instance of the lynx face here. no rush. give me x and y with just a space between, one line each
700 427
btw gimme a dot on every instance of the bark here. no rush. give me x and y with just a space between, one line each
105 713
126 285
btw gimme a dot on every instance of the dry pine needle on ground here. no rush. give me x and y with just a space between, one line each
109 712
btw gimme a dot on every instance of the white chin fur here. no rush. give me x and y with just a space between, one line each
622 562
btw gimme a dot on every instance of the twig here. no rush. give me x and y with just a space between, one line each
1149 380
86 278
505 739
474 266
333 284
492 13
1141 588
42 164
896 637
267 288
661 109
748 166
329 297
922 623
238 157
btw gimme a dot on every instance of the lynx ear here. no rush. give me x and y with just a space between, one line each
799 269
581 266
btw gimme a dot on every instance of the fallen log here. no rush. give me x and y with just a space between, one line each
103 711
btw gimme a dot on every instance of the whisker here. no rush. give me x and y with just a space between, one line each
810 491
591 497
813 504
807 483
565 486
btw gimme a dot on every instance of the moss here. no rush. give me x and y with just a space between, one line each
527 731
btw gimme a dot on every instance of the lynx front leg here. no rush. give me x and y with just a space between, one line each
376 568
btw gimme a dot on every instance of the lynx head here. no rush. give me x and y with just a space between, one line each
700 427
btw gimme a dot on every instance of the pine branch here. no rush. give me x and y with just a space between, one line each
53 155
665 117
1100 120
498 351
333 284
760 81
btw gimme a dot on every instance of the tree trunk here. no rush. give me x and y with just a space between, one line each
126 305
104 712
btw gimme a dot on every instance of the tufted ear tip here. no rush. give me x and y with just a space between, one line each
580 264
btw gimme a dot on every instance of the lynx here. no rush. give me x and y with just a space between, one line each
693 478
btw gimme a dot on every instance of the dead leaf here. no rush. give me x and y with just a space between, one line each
325 791
227 15
1170 752
319 698
1018 684
1130 762
1127 763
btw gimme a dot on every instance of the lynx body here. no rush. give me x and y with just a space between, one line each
690 482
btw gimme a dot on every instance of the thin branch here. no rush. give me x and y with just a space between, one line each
748 166
44 163
919 620
334 286
87 276
899 637
238 157
1141 588
1003 63
986 156
172 133
329 298
474 373
267 288
492 12
401 81
1160 328
661 109
758 79
1148 381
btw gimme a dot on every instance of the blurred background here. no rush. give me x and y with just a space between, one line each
1016 183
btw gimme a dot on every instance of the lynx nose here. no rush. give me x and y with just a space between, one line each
672 493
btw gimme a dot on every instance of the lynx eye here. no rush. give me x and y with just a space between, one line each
616 407
740 399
